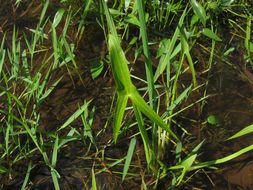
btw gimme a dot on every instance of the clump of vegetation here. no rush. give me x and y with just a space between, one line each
156 61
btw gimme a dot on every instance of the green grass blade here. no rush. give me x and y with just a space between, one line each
119 65
148 62
119 113
55 151
129 156
58 17
48 91
75 115
166 62
186 51
94 182
43 13
55 48
55 175
244 131
3 170
224 159
126 88
144 135
210 34
187 163
2 55
110 23
27 176
180 98
150 113
199 11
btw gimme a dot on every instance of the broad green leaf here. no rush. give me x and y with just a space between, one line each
194 20
70 53
251 47
132 19
178 152
210 34
163 46
146 52
43 13
68 139
119 65
244 131
176 51
115 12
129 156
38 33
124 86
199 11
87 119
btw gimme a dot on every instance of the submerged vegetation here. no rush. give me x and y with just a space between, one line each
130 94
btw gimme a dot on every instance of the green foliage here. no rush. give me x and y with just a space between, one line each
129 156
244 131
175 81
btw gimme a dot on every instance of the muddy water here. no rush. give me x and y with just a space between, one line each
233 105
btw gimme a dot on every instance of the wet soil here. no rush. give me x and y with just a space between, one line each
232 104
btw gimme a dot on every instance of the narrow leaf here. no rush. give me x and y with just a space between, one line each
94 182
150 113
210 34
166 61
224 159
199 11
75 115
58 17
3 170
120 110
129 157
96 68
144 134
244 131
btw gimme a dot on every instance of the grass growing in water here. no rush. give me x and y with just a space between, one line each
28 67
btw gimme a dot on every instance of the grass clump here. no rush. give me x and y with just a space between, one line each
161 56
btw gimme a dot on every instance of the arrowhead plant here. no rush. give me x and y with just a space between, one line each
124 86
